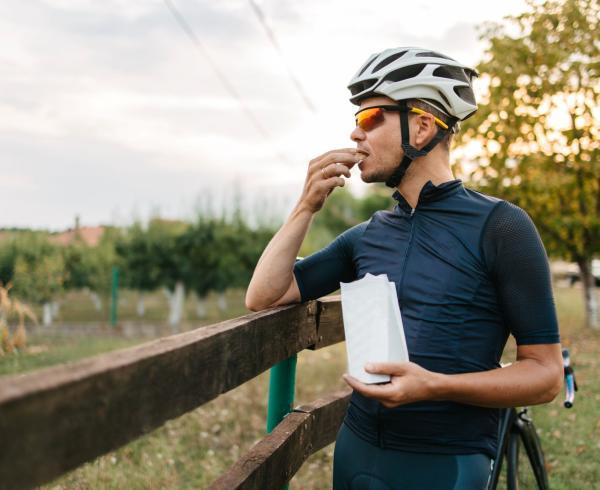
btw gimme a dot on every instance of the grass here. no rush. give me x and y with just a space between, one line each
193 450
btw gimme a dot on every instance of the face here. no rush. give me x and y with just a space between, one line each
381 144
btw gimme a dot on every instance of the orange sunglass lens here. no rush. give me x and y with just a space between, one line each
369 118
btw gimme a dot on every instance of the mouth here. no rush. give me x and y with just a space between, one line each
364 154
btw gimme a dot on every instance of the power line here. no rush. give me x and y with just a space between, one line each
271 35
222 78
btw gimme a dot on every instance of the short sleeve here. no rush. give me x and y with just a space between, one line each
321 272
516 259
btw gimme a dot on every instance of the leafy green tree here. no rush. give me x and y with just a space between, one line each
91 267
156 250
378 197
198 245
536 133
38 271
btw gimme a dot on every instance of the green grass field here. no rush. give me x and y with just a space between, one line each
193 450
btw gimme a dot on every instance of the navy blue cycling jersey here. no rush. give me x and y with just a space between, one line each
469 270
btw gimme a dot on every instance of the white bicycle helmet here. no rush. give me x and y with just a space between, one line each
416 73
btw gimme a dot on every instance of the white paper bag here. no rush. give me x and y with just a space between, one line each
373 325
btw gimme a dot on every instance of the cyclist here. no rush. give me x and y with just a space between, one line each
469 270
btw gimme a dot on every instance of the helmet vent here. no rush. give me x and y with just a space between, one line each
444 98
361 86
404 73
466 94
388 60
367 66
432 54
451 72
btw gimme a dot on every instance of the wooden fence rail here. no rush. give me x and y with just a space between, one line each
55 419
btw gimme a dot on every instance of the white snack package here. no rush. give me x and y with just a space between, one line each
373 325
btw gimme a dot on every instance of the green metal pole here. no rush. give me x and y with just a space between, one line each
282 384
114 296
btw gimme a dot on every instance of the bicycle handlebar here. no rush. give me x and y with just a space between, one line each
570 382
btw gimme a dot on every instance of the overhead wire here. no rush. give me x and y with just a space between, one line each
271 35
220 75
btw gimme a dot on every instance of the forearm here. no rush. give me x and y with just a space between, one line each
525 382
273 273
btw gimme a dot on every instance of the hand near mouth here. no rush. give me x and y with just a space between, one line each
325 173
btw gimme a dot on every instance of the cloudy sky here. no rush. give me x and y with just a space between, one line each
110 111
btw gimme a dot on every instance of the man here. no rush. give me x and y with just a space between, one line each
469 270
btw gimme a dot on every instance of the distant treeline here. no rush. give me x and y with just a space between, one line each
208 255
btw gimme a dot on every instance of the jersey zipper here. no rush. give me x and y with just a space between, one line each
410 240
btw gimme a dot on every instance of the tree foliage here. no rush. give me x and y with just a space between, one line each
37 268
536 133
538 124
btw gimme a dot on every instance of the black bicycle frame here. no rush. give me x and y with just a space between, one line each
515 428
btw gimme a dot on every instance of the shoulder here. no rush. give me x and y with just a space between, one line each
352 235
510 233
501 216
481 198
507 218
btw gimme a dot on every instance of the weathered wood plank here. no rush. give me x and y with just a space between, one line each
55 419
330 327
274 460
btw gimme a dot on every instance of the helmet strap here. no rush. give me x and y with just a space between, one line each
410 152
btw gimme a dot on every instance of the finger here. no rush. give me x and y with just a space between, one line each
347 159
343 158
396 368
347 151
379 392
329 184
335 182
337 169
338 150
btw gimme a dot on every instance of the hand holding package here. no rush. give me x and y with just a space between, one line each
373 325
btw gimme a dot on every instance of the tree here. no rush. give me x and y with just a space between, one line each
141 270
536 133
198 245
166 260
38 271
91 267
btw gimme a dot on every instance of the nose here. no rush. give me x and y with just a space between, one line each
357 134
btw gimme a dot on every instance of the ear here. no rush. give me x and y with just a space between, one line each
423 130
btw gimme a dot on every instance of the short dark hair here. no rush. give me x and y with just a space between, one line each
419 104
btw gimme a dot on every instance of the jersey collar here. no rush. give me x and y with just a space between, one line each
430 193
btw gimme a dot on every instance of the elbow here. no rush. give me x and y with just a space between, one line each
254 304
250 302
555 385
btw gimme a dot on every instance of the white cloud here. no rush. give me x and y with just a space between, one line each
127 113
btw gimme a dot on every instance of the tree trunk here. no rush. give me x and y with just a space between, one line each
200 307
141 307
47 314
96 300
222 301
590 295
176 301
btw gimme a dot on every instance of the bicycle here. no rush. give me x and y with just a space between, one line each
516 428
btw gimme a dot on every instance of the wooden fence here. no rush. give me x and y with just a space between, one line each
55 419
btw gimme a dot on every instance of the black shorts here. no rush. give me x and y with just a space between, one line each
358 465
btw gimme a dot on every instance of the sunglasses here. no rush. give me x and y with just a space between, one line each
370 117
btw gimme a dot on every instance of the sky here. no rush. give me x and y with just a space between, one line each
111 112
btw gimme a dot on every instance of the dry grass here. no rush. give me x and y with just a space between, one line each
193 450
10 309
